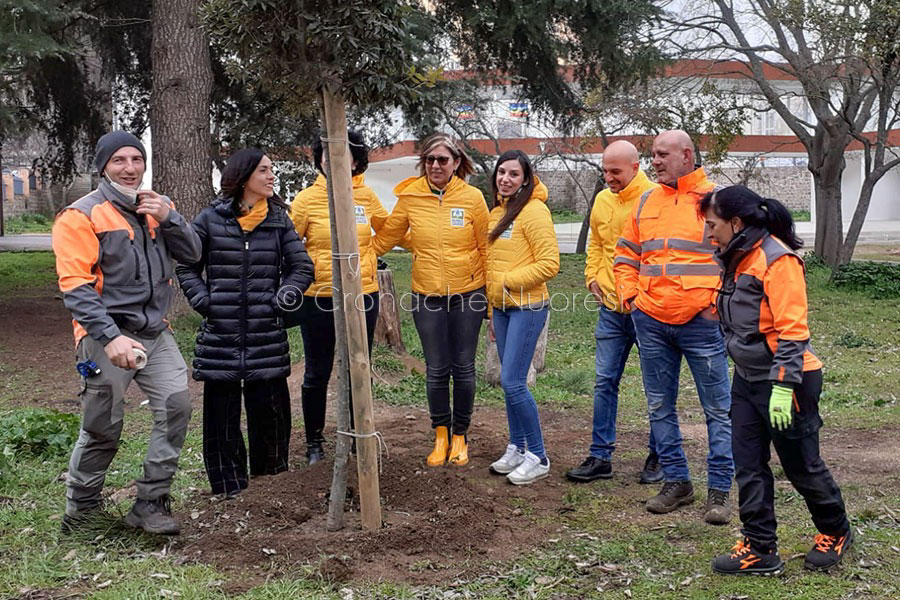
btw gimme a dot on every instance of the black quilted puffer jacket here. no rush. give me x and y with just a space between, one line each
250 279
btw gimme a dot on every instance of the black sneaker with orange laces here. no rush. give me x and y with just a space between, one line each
745 560
828 550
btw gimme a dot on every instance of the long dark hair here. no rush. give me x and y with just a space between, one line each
358 150
517 202
237 171
754 211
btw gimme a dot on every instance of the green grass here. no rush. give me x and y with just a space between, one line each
564 215
28 224
23 270
801 215
604 548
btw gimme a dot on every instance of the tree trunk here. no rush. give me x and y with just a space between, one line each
581 246
829 225
179 105
342 446
387 327
358 349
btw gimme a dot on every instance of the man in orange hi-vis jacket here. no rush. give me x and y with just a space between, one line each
114 251
665 271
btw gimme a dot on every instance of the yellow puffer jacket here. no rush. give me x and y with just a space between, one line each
447 235
525 256
309 212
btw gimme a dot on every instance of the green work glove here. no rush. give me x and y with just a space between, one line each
780 409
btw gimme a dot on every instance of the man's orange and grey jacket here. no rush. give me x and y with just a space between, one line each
664 263
115 266
763 309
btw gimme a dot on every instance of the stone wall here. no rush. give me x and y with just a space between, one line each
792 185
569 190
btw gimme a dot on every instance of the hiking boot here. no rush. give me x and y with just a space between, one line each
459 451
746 560
92 520
652 471
828 551
507 463
591 469
672 495
153 516
438 455
530 470
717 509
314 453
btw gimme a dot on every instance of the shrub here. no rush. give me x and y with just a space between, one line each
878 280
38 432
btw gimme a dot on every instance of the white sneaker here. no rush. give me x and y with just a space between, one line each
529 471
507 463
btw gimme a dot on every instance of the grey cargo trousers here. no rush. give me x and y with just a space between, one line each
164 381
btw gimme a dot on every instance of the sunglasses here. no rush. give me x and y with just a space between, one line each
441 160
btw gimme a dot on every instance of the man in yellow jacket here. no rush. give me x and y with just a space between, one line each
615 331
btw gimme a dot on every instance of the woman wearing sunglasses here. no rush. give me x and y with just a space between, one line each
447 223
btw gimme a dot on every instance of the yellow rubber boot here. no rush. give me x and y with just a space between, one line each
438 456
459 451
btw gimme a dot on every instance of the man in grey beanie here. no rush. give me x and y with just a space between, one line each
114 250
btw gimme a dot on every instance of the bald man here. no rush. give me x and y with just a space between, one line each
665 271
614 333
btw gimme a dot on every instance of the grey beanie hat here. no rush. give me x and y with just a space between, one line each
109 143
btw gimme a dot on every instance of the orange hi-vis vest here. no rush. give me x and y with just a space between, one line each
763 308
664 263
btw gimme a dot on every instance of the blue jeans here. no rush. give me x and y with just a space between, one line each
615 337
517 331
661 347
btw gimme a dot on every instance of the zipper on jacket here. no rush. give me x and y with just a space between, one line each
244 274
162 264
137 261
142 221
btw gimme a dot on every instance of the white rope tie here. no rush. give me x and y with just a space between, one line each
382 446
329 140
349 256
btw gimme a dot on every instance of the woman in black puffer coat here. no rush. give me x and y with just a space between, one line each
255 268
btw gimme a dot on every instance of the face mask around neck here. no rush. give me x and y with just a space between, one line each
128 192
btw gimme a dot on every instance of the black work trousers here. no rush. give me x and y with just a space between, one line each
268 405
448 327
317 329
798 450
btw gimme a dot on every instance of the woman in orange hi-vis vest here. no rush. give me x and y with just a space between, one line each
777 380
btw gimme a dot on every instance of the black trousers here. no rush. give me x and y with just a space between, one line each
317 329
798 449
268 405
448 327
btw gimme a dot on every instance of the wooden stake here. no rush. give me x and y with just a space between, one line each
338 495
360 370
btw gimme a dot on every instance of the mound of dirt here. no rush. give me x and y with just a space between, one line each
433 518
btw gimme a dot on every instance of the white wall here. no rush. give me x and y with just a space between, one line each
383 176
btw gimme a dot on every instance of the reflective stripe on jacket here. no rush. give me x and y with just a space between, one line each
447 235
608 217
115 266
763 309
525 256
664 262
309 212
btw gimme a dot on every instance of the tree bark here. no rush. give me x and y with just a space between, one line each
179 105
360 370
829 224
387 327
